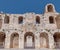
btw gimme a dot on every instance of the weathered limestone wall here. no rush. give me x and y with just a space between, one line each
29 25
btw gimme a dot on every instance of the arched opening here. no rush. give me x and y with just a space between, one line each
29 41
50 8
2 39
0 22
14 41
6 19
37 19
51 19
58 21
44 42
20 19
57 40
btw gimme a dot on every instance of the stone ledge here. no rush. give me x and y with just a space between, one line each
29 49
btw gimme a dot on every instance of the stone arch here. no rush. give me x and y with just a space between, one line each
0 22
44 40
6 19
14 40
51 19
57 40
50 8
37 19
29 40
58 21
20 19
2 39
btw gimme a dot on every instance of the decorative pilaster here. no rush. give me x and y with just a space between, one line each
7 41
51 41
21 42
37 42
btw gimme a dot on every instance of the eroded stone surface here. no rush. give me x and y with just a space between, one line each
18 30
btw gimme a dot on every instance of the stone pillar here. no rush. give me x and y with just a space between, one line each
21 41
37 42
51 41
7 41
11 19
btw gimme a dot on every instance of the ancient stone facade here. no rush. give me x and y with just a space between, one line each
30 30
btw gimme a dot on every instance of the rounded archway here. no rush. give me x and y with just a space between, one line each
44 42
51 19
20 19
2 39
57 40
50 8
37 19
6 19
14 40
29 40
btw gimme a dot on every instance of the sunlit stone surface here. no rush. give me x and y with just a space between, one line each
30 30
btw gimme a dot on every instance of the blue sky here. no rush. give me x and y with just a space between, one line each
23 6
